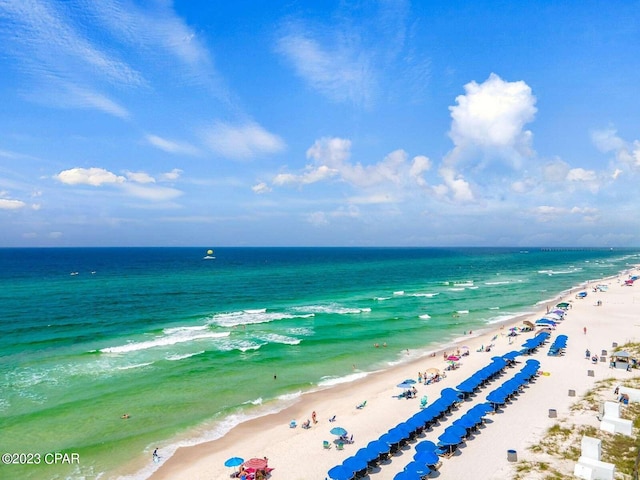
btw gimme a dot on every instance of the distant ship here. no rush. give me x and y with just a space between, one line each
209 255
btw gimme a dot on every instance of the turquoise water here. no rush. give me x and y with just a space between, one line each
188 347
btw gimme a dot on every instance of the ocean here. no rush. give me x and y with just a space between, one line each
188 347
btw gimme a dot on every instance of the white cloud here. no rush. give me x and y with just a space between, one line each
627 153
8 204
139 177
319 219
342 73
171 176
171 146
455 185
241 141
312 175
581 175
493 114
154 193
261 188
89 176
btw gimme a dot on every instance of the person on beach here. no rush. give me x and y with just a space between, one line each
584 330
155 455
313 417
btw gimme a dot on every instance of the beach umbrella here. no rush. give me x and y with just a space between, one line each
404 386
378 447
417 468
256 463
449 438
435 371
453 358
410 381
563 305
340 473
425 445
427 457
233 462
338 431
354 463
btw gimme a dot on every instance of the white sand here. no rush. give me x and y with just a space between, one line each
299 454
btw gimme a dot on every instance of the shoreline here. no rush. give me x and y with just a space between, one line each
209 456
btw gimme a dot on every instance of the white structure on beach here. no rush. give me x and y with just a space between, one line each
611 421
589 466
632 393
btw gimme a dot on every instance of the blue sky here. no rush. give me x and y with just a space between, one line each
430 123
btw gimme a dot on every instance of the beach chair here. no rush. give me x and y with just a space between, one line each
307 424
362 405
326 445
423 402
293 424
340 446
332 419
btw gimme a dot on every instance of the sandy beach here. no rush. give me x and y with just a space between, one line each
295 453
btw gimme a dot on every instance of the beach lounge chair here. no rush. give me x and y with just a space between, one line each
326 445
423 402
340 446
332 419
293 424
362 405
307 424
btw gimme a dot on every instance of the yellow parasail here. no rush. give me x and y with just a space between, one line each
209 252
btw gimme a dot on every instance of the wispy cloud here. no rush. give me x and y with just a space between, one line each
171 146
339 72
242 141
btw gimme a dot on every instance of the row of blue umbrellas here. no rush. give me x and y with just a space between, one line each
500 395
426 455
535 342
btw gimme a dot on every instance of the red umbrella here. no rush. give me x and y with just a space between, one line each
257 463
453 358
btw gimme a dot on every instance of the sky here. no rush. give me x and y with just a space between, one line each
333 123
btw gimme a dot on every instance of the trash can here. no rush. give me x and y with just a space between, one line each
512 456
614 344
553 413
572 393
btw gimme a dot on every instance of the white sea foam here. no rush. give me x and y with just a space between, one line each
429 295
504 282
174 330
381 299
248 317
425 316
137 365
183 356
461 312
179 336
399 292
331 381
290 396
276 338
494 308
456 289
302 331
504 317
257 401
332 308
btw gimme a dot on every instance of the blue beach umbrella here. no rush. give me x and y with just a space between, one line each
425 445
417 468
404 385
340 473
338 431
234 462
354 463
378 447
427 457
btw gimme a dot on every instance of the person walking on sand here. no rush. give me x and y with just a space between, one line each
313 417
585 330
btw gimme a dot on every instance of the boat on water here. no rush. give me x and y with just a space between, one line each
209 255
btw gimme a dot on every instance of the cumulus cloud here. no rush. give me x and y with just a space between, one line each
89 176
581 175
493 114
241 142
136 184
627 153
